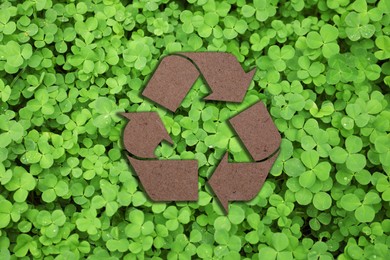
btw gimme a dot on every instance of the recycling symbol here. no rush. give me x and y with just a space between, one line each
177 180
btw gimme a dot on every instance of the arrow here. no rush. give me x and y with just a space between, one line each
168 180
256 130
242 181
171 82
163 180
224 75
143 133
239 181
177 73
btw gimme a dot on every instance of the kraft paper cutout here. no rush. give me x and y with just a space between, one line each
242 181
177 180
239 181
144 132
168 180
256 130
177 73
171 82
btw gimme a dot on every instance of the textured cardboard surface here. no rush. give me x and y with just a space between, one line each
256 130
239 181
242 181
143 133
171 82
176 74
168 180
223 73
163 180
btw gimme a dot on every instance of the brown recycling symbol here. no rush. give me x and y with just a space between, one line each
177 180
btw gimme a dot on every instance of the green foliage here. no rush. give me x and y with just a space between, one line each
67 68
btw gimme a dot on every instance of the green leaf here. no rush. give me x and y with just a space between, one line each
204 198
49 195
374 106
322 201
329 33
247 11
307 179
365 213
103 106
221 236
236 214
338 155
350 202
268 253
314 40
16 131
184 216
347 123
359 6
353 144
371 198
303 196
137 216
51 231
195 236
58 217
280 241
222 222
46 161
294 167
356 162
204 251
20 195
310 158
5 213
32 157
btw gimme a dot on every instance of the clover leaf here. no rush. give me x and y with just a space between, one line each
358 27
383 44
233 27
326 40
51 223
108 200
51 187
364 212
21 182
5 213
137 225
88 222
262 9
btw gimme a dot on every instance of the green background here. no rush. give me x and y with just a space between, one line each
67 69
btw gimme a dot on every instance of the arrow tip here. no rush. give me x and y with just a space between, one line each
143 133
225 204
126 115
216 183
168 138
250 75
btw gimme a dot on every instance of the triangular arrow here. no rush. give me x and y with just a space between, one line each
143 133
242 181
163 180
168 180
176 74
239 181
224 75
256 130
171 82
